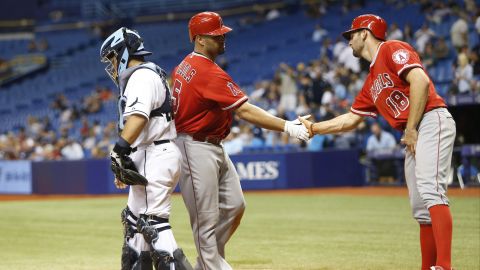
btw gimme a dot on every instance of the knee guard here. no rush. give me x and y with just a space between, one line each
149 227
132 259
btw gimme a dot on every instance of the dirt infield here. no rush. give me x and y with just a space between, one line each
359 191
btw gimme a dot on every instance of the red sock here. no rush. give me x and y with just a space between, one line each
427 246
442 231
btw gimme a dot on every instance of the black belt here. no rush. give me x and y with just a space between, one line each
208 139
155 142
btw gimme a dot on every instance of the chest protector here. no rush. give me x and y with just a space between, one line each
165 110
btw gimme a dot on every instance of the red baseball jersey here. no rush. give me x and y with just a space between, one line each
204 96
386 91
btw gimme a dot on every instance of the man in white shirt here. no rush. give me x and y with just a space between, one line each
382 142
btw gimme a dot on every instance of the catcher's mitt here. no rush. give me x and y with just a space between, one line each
125 171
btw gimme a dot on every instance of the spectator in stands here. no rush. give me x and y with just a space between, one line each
319 33
428 56
477 22
318 88
98 152
355 84
382 142
408 33
441 50
338 47
46 126
326 50
60 103
423 36
316 143
459 32
347 59
394 32
475 62
85 128
344 140
233 143
105 94
439 10
463 75
34 127
91 104
288 88
71 149
315 9
258 92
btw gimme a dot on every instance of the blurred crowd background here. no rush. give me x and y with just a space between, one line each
289 57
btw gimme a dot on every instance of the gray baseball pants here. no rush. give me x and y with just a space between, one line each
213 196
427 172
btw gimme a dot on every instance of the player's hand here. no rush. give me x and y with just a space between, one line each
297 129
308 124
409 139
119 184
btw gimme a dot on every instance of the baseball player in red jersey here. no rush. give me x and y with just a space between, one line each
204 98
399 89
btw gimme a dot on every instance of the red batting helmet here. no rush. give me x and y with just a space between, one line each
207 23
374 23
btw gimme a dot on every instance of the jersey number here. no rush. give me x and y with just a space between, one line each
397 102
177 88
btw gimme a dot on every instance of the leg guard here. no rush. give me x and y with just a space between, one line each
181 262
161 259
131 258
144 262
150 227
146 225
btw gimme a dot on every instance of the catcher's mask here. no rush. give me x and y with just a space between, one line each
120 45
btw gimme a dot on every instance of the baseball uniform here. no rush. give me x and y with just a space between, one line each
204 98
386 92
155 155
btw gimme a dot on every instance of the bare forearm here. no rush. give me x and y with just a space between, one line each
342 123
260 117
133 127
418 99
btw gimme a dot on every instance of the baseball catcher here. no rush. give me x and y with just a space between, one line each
144 158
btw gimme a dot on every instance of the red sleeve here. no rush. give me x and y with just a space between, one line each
224 91
402 57
363 104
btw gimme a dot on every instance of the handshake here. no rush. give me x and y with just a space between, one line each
299 128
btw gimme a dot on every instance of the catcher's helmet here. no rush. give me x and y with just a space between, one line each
121 45
374 23
206 23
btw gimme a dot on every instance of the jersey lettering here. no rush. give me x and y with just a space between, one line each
397 102
382 81
177 88
185 70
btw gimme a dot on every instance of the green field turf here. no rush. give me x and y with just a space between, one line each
278 232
